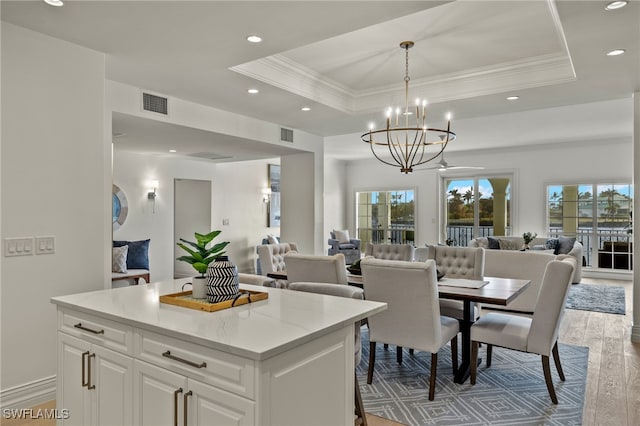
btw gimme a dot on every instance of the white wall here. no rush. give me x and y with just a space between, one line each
53 169
336 197
236 195
534 168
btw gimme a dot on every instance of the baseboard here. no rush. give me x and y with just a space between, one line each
607 274
635 333
29 394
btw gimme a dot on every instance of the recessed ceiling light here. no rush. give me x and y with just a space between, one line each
305 109
253 91
172 150
54 2
615 52
513 98
616 5
254 39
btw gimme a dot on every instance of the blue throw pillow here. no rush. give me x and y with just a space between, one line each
493 243
138 254
565 245
552 244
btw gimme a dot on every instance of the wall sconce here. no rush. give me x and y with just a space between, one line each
151 195
266 195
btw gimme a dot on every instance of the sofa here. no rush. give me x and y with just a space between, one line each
340 242
559 247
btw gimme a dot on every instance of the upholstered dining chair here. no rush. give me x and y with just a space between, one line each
455 262
317 269
412 318
354 293
390 251
537 335
271 257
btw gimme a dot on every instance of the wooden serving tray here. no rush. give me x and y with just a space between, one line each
185 300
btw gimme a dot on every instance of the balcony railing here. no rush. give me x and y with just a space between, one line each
612 246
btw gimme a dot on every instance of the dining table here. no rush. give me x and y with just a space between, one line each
493 290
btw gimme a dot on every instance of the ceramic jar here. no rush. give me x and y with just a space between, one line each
222 277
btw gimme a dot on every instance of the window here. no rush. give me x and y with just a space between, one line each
599 216
476 206
386 217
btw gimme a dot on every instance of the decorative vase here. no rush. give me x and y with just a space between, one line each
525 246
223 281
199 287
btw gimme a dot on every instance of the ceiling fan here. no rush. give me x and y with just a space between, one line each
442 165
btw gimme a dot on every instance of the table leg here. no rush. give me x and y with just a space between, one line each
465 332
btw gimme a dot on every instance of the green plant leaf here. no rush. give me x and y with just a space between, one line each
194 245
200 267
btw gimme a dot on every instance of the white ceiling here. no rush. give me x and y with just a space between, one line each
342 59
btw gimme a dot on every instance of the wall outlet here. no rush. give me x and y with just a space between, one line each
225 222
22 246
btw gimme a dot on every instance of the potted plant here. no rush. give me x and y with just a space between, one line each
200 257
528 237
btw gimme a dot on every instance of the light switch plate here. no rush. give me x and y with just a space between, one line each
45 245
22 246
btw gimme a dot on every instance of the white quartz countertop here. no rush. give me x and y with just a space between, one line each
257 330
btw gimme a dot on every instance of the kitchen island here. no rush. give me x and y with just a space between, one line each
125 358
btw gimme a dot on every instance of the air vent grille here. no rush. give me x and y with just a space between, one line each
154 103
209 155
286 135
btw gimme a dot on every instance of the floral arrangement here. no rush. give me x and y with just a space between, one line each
528 237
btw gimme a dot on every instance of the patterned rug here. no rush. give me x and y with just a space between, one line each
511 392
598 298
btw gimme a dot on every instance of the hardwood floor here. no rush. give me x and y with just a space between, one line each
612 395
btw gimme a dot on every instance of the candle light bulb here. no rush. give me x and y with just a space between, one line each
372 125
448 116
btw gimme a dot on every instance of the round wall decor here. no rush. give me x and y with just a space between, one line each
120 206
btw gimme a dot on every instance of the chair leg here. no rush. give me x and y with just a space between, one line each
361 416
474 361
399 354
372 361
556 359
454 354
432 379
386 346
547 378
411 351
489 353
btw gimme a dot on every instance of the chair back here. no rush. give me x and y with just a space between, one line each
412 318
458 262
550 307
519 265
272 257
317 269
340 291
390 251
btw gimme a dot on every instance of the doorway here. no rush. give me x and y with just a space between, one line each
192 213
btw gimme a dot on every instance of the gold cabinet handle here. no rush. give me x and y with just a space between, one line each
84 354
89 385
167 354
175 406
186 407
82 327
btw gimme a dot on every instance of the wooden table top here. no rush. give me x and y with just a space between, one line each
499 291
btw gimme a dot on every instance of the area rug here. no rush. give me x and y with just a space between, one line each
598 298
511 392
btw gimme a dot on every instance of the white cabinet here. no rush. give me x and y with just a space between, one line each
163 397
94 383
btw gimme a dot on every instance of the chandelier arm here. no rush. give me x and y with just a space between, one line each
416 145
380 159
433 157
395 152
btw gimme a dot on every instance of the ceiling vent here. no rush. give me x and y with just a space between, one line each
209 155
286 135
154 103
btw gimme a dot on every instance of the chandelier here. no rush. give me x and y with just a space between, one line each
409 144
